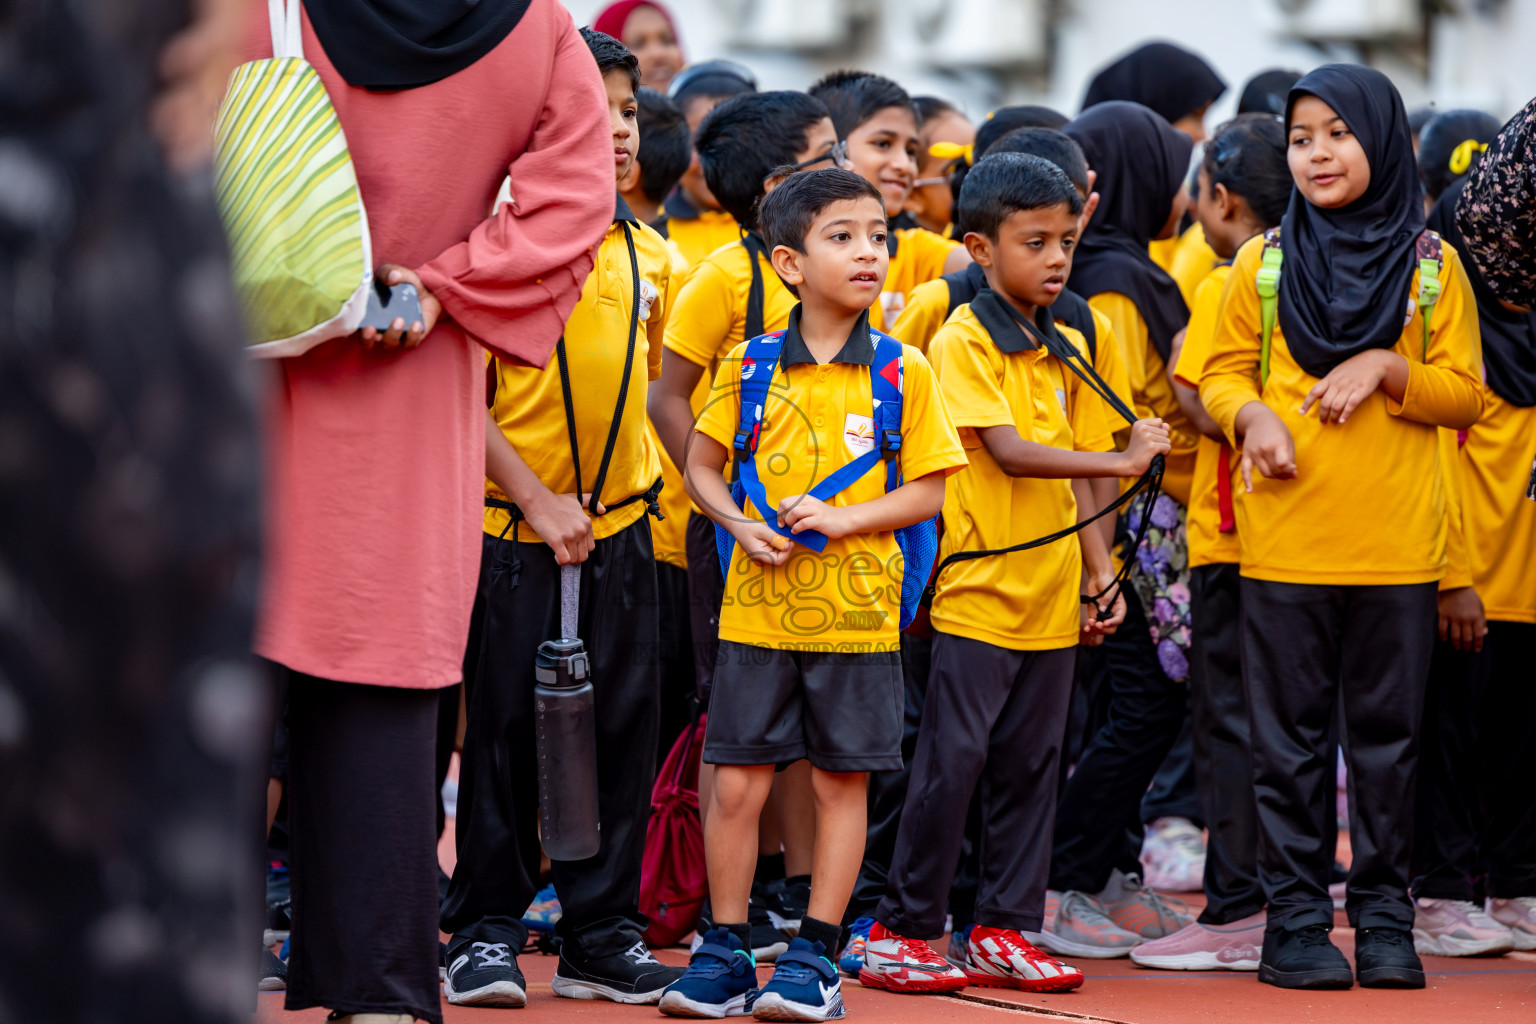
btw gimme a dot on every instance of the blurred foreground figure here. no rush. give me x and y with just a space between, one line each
133 728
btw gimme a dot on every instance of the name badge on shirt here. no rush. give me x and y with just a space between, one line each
858 434
648 295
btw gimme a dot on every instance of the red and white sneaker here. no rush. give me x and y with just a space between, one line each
1002 958
899 964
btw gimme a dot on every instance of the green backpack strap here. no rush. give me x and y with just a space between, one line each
1267 281
1431 262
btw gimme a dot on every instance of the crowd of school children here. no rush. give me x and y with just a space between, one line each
1228 455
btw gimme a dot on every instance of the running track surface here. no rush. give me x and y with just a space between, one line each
1461 991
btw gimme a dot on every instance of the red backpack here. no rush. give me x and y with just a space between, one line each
673 881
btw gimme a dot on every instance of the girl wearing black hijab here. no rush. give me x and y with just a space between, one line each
1176 84
1480 700
1344 527
1141 161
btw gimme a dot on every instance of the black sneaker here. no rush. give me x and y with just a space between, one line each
274 973
787 900
634 976
483 974
1305 958
1384 958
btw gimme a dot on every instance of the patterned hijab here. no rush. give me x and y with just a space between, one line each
1497 211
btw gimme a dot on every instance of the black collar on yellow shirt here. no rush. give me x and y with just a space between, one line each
621 210
677 206
858 350
1002 324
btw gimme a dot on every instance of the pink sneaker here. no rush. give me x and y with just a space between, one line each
1458 928
1519 916
1206 947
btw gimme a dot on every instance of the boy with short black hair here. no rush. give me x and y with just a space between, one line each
809 663
666 147
1006 625
691 217
730 296
542 512
877 122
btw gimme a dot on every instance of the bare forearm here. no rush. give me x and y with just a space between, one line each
1104 490
1189 402
669 406
912 502
1394 380
505 468
1096 561
1030 459
704 479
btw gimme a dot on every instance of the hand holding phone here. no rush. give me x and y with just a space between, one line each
399 314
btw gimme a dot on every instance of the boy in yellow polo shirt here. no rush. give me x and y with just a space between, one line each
877 122
555 436
810 664
1006 626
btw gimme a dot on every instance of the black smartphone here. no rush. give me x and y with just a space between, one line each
386 303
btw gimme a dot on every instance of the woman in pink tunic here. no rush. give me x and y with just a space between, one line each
376 455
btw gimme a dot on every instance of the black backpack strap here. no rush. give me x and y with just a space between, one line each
618 413
755 246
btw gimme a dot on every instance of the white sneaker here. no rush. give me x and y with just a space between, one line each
1173 855
1458 928
1519 916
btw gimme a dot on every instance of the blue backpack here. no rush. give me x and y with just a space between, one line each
919 542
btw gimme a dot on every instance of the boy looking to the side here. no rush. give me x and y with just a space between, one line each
810 662
542 515
666 148
877 121
1005 626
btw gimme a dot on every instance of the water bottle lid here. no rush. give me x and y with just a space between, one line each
561 662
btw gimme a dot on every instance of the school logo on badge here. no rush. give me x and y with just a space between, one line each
859 434
648 297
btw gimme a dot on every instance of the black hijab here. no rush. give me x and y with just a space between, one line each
1169 79
401 44
1348 272
1141 160
1509 339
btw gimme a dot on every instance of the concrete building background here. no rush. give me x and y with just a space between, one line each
984 53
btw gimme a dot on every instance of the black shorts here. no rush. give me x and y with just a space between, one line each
842 712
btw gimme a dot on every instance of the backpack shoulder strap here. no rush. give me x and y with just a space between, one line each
758 364
1431 256
1267 281
887 380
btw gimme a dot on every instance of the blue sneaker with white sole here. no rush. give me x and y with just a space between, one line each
721 980
805 986
852 960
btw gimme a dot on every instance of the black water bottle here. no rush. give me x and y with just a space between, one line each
565 730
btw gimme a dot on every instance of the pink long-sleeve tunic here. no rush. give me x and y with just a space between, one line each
376 460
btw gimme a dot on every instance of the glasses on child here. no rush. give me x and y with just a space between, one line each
838 154
925 182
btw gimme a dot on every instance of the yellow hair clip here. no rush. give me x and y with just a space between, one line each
1461 156
951 151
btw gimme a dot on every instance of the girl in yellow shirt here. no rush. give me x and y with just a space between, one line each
1343 523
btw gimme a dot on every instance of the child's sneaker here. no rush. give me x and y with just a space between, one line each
1002 958
1077 926
1173 855
721 980
805 986
1141 911
786 901
960 947
899 964
1518 914
544 912
1458 928
1206 947
852 960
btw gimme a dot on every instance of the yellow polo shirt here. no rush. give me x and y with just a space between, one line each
1499 520
1152 392
697 233
1207 544
1368 504
529 404
919 258
991 374
846 599
928 308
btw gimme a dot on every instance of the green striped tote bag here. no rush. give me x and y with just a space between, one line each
298 234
